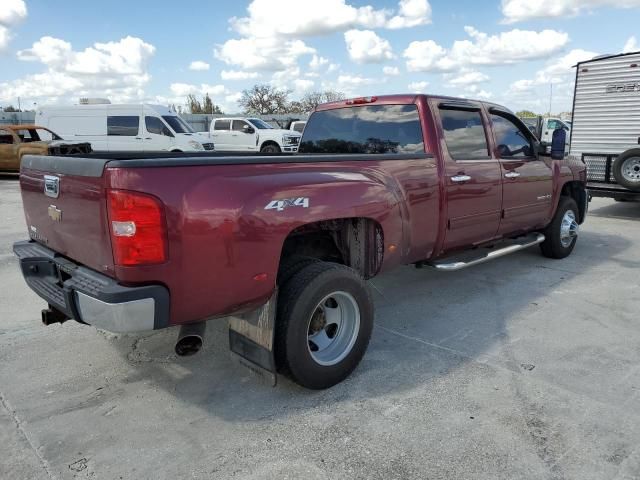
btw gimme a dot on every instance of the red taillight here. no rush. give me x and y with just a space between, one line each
137 226
361 100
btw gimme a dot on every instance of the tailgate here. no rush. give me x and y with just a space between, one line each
65 208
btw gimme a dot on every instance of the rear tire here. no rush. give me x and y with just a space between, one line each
325 319
562 233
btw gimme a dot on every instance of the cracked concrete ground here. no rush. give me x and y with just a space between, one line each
524 368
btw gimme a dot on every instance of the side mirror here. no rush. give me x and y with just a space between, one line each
558 144
248 129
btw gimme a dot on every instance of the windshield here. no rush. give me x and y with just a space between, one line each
177 124
259 123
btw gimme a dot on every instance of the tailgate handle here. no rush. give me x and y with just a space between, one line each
51 186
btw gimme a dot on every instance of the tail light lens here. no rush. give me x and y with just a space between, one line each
137 225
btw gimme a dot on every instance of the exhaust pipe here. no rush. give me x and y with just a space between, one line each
52 315
190 339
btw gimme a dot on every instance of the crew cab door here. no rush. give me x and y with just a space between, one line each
527 178
472 177
8 150
221 133
243 136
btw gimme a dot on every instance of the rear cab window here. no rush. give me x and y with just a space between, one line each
464 134
370 129
222 125
6 137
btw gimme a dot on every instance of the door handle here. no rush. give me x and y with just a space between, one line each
460 178
512 174
147 138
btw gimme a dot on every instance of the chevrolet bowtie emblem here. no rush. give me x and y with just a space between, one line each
55 213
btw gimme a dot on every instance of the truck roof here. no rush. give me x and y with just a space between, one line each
401 99
22 127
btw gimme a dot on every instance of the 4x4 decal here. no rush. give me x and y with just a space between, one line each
280 205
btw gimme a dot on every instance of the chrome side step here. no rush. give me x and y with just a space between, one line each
481 255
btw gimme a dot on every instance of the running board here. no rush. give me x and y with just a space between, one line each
481 255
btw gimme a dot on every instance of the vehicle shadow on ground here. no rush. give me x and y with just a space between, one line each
427 325
617 210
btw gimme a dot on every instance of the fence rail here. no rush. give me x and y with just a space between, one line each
199 122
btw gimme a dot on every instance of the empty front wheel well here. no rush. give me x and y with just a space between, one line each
354 242
578 192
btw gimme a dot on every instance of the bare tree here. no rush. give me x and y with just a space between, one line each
264 100
312 99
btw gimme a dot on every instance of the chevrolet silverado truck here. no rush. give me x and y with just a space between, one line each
19 140
282 246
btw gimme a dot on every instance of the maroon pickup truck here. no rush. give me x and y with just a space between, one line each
282 245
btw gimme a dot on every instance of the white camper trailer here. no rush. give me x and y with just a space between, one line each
605 131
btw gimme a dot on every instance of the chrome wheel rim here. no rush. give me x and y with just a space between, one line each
333 328
568 228
631 169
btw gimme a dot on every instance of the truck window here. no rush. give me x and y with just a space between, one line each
155 125
238 125
298 127
123 126
368 129
511 139
222 125
464 134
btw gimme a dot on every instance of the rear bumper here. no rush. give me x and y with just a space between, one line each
90 297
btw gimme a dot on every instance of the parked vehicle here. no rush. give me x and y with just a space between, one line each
252 135
283 245
297 126
606 124
113 128
19 140
543 127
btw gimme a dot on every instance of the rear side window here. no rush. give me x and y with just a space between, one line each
368 129
464 134
222 125
123 126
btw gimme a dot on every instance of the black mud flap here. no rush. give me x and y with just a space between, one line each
251 339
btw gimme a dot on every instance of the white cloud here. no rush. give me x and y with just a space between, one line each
238 75
505 48
521 10
184 89
269 53
418 87
12 13
392 71
473 91
411 14
199 66
117 70
631 45
469 77
558 70
354 80
317 62
427 56
364 46
269 18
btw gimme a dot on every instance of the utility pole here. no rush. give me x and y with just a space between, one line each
19 108
550 97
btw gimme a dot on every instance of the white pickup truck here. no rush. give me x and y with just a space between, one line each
252 135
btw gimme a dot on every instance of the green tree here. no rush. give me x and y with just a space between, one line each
526 114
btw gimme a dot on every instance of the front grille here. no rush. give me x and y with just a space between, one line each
599 167
208 146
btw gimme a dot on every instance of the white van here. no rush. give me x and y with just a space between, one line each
112 128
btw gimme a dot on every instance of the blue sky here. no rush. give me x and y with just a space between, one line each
509 51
